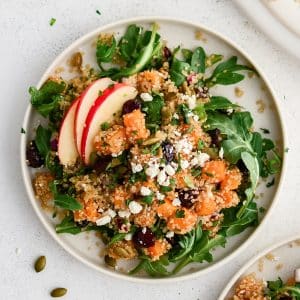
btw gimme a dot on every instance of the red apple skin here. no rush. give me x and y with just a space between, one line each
67 150
111 100
85 102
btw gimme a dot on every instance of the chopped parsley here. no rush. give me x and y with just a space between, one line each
179 213
98 12
52 21
23 130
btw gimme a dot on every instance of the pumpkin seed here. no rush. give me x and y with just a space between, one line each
121 252
40 264
110 261
58 292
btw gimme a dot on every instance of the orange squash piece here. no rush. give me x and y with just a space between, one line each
135 126
214 171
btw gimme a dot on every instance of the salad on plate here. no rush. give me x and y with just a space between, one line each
141 152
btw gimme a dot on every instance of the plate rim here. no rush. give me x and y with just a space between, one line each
28 184
286 37
259 255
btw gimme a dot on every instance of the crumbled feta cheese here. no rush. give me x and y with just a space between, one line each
128 237
174 165
184 146
161 177
191 100
169 170
196 118
136 167
169 234
184 164
145 191
124 213
103 220
144 230
176 116
160 196
176 202
152 171
116 154
146 97
111 213
177 133
135 207
221 153
200 159
166 182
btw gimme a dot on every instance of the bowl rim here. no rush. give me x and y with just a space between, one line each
259 255
28 183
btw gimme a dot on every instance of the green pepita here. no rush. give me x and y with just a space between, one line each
58 292
121 252
40 264
110 261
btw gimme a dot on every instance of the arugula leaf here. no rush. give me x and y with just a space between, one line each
46 99
116 238
42 140
68 226
63 200
232 225
201 250
198 60
277 289
225 73
105 50
147 48
185 244
177 70
219 103
152 268
67 202
129 42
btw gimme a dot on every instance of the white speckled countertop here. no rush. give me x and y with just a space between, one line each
28 45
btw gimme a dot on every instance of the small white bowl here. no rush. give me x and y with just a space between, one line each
175 32
279 260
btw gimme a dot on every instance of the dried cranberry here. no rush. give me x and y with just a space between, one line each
143 238
168 151
33 156
83 223
101 163
187 197
54 144
131 105
119 222
167 53
216 137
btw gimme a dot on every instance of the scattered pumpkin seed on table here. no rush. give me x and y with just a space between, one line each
58 292
40 264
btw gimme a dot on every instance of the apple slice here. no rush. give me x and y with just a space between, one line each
67 150
111 101
86 100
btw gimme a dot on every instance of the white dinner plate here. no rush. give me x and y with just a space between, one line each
278 19
86 246
279 260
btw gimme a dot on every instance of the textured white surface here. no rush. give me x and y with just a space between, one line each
28 45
